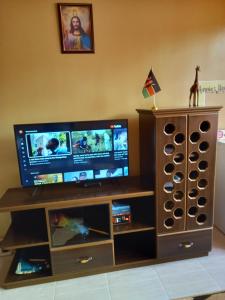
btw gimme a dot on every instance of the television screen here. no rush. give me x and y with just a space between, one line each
72 151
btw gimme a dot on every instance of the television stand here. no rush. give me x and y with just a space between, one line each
99 247
177 153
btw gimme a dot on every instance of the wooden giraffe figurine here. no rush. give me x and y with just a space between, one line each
194 90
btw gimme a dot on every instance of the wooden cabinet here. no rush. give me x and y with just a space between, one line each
171 207
37 234
180 145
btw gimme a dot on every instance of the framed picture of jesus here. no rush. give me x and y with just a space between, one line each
76 28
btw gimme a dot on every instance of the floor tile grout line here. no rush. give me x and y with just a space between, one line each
174 267
54 295
156 277
203 269
213 279
164 288
108 286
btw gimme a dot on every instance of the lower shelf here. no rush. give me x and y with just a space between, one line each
34 256
44 278
135 246
132 227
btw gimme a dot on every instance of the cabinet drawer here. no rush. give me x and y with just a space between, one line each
82 259
189 243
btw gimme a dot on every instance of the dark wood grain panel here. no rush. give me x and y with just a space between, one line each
188 243
162 160
71 260
71 195
207 136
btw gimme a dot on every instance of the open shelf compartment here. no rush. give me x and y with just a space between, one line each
136 246
142 210
79 225
33 256
28 228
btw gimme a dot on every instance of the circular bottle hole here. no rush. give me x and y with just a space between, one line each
169 149
205 126
204 146
179 138
169 223
193 193
202 183
201 219
192 211
169 205
193 175
178 195
169 168
203 165
195 136
178 177
194 156
202 201
178 213
168 187
178 158
169 128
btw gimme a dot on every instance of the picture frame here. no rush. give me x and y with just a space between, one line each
76 27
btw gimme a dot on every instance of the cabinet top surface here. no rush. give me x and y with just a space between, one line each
59 196
180 110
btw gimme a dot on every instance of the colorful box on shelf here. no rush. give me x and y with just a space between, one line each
121 213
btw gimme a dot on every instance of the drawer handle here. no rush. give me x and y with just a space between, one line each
186 245
84 259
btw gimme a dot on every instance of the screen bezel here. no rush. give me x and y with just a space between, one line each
77 183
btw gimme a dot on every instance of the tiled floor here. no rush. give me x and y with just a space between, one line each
159 282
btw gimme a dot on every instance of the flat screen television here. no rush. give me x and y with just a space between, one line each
53 153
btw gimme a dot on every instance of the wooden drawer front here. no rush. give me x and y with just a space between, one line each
184 244
82 259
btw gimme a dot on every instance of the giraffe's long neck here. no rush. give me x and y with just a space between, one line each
196 76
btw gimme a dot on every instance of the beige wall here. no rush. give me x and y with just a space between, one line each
39 84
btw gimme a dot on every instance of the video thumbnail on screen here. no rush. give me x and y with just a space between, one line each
48 178
106 173
78 176
120 139
48 143
87 141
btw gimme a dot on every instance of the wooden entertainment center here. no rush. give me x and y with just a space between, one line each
171 206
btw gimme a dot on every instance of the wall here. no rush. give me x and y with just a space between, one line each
39 84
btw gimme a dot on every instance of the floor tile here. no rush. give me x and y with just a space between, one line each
130 276
212 262
36 292
188 284
140 290
86 282
180 268
81 294
218 274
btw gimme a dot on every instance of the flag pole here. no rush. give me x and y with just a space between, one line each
154 107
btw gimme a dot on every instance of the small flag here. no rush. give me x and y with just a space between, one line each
151 86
